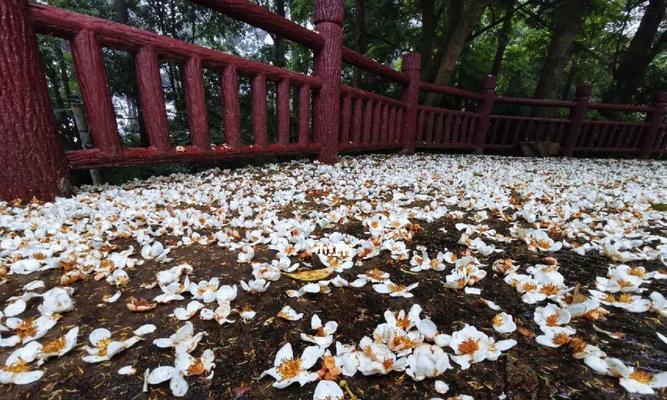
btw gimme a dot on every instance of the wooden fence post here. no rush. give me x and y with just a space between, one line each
411 65
654 120
328 62
582 97
31 154
488 93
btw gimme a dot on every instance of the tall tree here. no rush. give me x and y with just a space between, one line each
120 7
568 19
504 36
634 61
279 44
359 36
461 18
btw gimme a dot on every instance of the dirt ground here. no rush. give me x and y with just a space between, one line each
244 350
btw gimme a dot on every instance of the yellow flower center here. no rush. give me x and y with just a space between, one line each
469 346
376 274
552 320
26 329
102 346
498 320
624 298
18 367
543 244
528 287
395 287
624 284
641 376
637 271
289 368
561 339
55 345
401 342
550 289
196 368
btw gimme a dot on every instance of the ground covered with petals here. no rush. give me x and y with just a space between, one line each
379 277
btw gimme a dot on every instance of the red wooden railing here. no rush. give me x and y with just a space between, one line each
343 118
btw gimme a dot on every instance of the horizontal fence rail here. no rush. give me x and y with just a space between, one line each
314 113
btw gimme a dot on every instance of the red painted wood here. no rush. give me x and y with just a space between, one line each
196 103
447 90
369 95
55 21
283 111
151 97
391 129
535 102
654 120
370 65
411 64
429 127
375 126
448 128
326 106
260 17
438 127
31 154
230 106
577 115
619 107
358 120
399 126
420 126
485 107
95 92
259 112
368 119
384 124
303 117
147 155
345 119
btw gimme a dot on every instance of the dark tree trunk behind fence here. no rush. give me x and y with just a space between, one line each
32 161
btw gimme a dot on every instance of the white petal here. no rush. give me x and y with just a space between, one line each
161 374
328 390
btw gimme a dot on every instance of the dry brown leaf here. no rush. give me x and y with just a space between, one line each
525 331
311 274
139 305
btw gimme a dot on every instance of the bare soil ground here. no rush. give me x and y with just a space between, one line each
244 350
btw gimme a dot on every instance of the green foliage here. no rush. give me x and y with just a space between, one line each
391 28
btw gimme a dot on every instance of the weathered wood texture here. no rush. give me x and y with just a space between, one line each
31 155
411 67
326 106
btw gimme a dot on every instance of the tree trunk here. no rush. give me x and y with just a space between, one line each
359 37
503 38
33 160
429 25
279 44
568 20
461 20
639 54
120 7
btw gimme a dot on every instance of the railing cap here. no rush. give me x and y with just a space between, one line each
489 82
411 61
584 90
